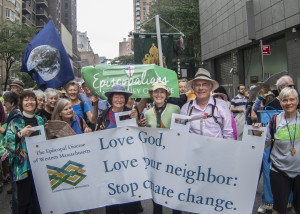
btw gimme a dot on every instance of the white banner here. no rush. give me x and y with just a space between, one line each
179 170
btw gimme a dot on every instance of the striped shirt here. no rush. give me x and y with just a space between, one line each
239 102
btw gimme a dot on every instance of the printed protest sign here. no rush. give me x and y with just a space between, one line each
136 79
201 175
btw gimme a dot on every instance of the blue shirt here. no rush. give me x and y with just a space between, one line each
75 125
102 104
78 110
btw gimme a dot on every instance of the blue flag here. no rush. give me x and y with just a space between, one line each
46 60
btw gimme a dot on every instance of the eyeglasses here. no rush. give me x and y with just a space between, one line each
204 85
291 86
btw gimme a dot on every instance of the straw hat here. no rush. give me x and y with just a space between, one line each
203 74
117 89
158 85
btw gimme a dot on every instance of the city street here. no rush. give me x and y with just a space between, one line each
147 205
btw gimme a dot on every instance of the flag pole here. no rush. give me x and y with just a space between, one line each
262 61
159 41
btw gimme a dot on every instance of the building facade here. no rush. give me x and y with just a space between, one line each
69 19
35 12
10 11
86 53
140 13
231 34
125 47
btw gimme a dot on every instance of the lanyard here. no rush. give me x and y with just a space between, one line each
293 150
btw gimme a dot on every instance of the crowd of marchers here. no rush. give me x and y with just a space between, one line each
212 113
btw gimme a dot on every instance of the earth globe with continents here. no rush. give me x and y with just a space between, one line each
45 60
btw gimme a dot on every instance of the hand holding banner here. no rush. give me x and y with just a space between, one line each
114 166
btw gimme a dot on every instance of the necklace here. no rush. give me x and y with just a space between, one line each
293 150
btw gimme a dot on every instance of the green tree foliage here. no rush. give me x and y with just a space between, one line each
184 15
13 40
123 60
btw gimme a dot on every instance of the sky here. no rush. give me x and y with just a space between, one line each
107 22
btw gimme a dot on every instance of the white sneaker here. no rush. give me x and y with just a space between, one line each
261 209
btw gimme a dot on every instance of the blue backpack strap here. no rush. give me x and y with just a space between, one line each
272 127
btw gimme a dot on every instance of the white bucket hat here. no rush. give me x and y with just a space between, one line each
203 74
158 85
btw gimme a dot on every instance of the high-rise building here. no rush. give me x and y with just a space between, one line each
69 19
140 13
10 11
125 47
35 12
54 10
87 55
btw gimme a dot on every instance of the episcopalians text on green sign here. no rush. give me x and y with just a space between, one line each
136 79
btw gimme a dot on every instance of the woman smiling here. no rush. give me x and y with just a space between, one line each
284 138
14 142
159 116
63 111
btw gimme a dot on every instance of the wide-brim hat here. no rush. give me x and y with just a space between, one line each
202 74
220 94
269 93
158 85
17 83
117 89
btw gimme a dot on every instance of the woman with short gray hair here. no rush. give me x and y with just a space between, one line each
40 102
284 138
52 96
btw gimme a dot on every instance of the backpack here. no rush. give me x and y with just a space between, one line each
80 119
190 109
82 109
272 127
91 125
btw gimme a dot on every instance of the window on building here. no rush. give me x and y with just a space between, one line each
12 1
66 5
17 7
10 14
144 8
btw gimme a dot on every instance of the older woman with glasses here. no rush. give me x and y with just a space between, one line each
284 137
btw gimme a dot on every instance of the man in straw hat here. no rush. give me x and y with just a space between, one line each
210 117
